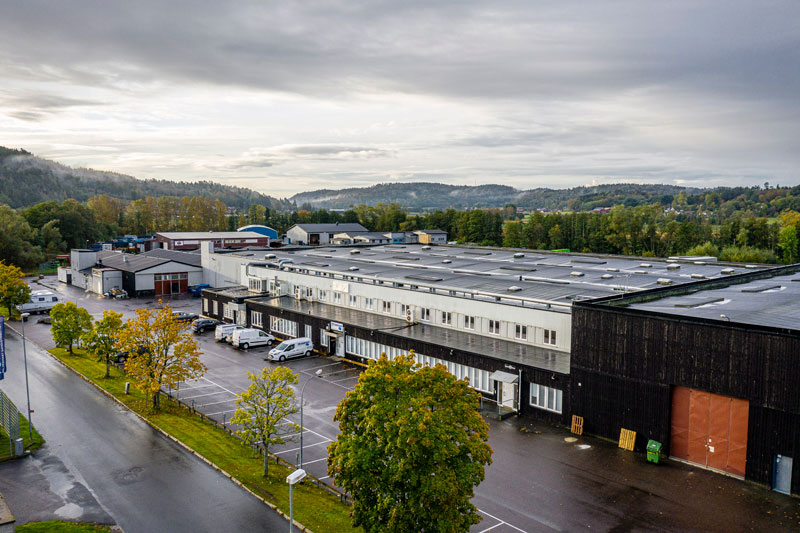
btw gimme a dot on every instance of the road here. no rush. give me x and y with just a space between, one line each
539 480
98 451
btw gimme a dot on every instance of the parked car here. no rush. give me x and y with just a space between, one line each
202 324
291 348
41 302
184 317
246 337
225 330
196 290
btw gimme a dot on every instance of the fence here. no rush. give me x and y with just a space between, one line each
9 420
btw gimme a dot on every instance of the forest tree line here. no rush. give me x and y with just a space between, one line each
687 226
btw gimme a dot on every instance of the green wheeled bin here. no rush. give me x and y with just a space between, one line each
653 451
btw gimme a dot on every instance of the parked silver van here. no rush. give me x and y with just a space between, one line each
291 348
247 337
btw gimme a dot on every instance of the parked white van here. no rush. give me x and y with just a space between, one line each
223 331
291 348
40 302
247 337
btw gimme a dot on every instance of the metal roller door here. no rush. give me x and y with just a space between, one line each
709 430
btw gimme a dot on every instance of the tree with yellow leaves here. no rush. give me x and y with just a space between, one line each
161 352
411 449
100 341
261 409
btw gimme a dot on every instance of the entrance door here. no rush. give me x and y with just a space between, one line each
332 345
508 395
782 474
709 430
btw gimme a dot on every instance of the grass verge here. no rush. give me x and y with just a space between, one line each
315 508
59 526
27 443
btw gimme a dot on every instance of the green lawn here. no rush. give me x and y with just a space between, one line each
313 507
57 526
35 444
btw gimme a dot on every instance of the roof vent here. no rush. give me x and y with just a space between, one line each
354 252
664 281
270 256
606 276
353 269
426 247
645 265
673 267
698 276
612 270
446 261
727 271
576 274
514 288
700 263
519 256
640 271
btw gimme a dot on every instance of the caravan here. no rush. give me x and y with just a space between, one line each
40 302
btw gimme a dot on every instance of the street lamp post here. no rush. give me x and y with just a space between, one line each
24 317
317 374
291 479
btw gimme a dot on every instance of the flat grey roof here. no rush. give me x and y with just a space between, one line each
499 349
205 235
509 274
772 301
188 258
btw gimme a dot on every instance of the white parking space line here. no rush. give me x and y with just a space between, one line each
201 395
314 461
501 522
216 403
343 379
491 528
323 366
221 412
198 387
326 441
218 385
321 478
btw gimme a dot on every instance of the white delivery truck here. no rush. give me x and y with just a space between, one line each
223 331
247 337
40 302
291 348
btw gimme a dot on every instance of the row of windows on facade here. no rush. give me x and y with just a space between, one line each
426 314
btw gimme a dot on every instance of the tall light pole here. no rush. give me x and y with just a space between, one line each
24 317
295 477
317 374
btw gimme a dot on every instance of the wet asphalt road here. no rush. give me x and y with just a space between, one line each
97 451
538 481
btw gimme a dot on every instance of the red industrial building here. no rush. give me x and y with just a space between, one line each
222 239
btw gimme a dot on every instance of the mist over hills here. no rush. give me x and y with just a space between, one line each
430 196
26 179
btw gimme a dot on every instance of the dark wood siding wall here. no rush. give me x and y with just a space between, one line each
397 340
625 362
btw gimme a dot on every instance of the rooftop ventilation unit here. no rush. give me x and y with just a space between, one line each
270 256
409 315
606 276
698 276
727 271
354 252
645 265
514 288
546 280
313 264
612 270
664 281
426 248
700 263
519 256
673 267
352 269
640 271
446 261
576 274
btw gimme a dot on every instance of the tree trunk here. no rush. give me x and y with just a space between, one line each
108 363
266 462
70 348
156 402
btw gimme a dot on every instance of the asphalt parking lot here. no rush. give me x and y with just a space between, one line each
540 480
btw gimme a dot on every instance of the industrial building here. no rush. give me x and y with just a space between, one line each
499 317
191 240
710 369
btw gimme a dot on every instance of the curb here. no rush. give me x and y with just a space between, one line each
188 448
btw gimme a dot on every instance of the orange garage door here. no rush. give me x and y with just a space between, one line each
709 430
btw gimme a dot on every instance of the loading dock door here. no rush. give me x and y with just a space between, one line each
709 430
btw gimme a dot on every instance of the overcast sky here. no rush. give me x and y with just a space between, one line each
289 96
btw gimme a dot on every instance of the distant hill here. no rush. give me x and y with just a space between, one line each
432 196
26 180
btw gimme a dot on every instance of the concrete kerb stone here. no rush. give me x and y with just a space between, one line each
188 448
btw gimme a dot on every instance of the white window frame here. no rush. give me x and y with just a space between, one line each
323 295
369 303
337 297
550 337
494 327
447 318
353 300
205 305
256 318
425 314
469 322
387 307
215 307
521 332
546 398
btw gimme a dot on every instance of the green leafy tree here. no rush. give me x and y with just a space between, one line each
13 289
17 238
262 407
161 352
412 448
100 340
69 324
